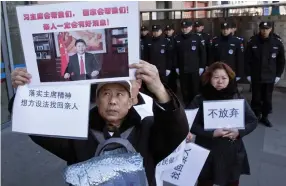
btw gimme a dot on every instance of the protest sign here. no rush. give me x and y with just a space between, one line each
54 111
80 42
176 157
146 109
172 160
191 115
224 114
187 172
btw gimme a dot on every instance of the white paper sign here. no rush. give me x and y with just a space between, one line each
173 159
54 111
224 114
145 110
177 154
191 115
187 173
109 29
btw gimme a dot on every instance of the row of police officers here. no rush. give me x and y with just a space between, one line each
187 54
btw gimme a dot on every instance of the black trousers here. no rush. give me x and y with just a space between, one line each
189 86
172 81
261 102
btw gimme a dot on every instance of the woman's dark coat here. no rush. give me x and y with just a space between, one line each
227 159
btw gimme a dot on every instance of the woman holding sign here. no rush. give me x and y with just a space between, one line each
228 157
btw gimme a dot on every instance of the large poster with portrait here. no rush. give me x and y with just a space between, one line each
80 42
95 41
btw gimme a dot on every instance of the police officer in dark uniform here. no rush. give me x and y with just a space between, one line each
199 30
228 49
265 62
172 79
233 31
190 60
144 38
157 52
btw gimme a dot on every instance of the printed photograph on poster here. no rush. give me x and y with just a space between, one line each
80 54
95 41
82 44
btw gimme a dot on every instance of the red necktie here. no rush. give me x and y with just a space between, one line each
81 66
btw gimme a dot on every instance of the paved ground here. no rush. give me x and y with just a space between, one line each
25 164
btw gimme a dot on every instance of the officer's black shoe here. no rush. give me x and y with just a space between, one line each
266 122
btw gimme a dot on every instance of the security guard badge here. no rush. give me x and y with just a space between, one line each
230 51
194 48
162 51
274 55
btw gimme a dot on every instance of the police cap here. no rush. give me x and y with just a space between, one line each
186 23
169 27
198 24
225 25
144 28
155 28
265 25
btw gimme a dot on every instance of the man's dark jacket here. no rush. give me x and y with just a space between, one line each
153 137
73 68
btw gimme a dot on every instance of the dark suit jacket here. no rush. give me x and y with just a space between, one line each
91 64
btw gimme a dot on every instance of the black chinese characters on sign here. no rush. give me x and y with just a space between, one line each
42 102
223 113
179 168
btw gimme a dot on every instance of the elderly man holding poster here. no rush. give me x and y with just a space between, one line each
82 65
227 159
154 137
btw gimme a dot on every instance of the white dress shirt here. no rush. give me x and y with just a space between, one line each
83 58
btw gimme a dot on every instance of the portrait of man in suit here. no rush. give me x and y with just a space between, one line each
82 65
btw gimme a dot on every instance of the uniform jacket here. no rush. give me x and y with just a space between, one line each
154 137
171 53
265 59
190 53
157 53
206 38
143 41
229 50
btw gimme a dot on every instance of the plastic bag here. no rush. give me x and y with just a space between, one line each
111 169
